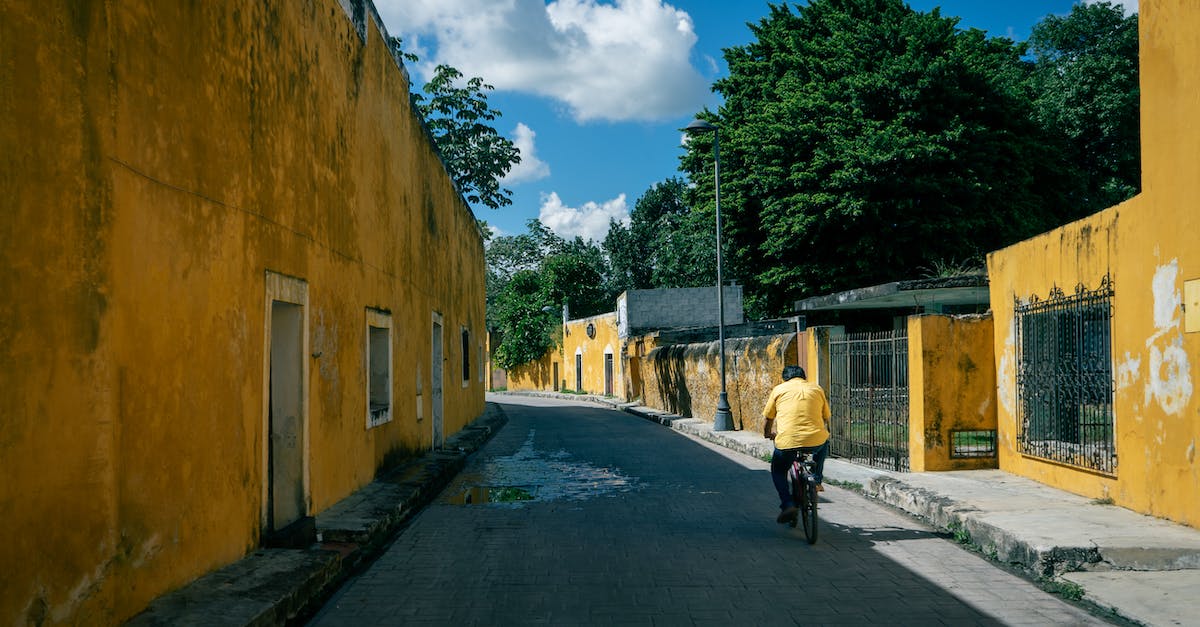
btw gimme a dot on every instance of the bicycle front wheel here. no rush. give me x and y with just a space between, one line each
808 510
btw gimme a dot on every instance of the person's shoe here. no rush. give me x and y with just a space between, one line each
788 515
820 488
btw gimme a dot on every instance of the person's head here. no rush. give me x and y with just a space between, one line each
793 372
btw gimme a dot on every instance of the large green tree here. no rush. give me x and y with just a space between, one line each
664 244
530 277
862 140
459 118
1085 84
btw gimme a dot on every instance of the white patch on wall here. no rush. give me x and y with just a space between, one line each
983 407
1127 371
1169 381
1006 384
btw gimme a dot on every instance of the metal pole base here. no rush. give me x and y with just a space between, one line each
723 420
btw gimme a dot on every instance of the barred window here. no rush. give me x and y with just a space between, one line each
1064 378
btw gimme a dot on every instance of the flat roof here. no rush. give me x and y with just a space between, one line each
958 290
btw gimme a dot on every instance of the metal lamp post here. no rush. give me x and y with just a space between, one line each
723 419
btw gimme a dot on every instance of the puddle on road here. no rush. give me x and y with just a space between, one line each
480 494
532 475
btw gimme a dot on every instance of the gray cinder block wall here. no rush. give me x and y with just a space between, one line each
640 311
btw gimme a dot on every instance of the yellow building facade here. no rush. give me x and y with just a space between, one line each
238 281
586 359
592 356
1140 259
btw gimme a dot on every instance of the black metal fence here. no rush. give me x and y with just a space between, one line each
1064 378
868 395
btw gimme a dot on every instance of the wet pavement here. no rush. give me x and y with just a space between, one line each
531 474
626 522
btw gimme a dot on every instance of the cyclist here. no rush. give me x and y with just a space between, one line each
802 412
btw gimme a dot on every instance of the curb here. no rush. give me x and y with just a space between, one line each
283 586
944 513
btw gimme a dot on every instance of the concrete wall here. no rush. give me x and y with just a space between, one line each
1147 246
952 387
648 310
163 165
685 379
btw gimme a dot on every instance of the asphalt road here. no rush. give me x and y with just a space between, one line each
608 519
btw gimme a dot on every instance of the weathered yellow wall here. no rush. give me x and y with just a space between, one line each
1148 247
592 351
158 159
537 375
952 387
685 379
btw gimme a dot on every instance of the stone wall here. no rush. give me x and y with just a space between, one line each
685 379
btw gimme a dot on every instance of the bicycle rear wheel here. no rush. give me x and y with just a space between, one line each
808 510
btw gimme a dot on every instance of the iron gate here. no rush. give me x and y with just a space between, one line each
868 395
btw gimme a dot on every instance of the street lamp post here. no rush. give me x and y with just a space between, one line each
723 419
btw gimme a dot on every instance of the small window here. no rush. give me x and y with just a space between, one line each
968 444
379 368
466 357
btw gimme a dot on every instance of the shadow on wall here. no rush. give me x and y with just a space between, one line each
537 375
670 373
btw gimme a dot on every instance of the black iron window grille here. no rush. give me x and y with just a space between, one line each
1064 378
972 444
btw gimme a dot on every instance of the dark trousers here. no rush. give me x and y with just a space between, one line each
781 461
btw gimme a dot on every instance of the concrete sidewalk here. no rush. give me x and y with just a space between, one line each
1142 568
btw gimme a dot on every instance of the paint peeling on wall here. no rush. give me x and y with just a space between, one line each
1006 385
1126 372
1169 383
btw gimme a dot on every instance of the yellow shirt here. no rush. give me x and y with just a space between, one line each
799 409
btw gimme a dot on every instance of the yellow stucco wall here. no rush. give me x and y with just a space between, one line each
537 375
1147 246
158 159
951 382
591 351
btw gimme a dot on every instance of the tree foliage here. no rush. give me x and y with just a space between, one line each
525 319
530 277
862 140
1085 85
476 156
458 117
664 244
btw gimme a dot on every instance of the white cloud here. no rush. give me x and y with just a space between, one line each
1130 6
622 60
530 168
589 221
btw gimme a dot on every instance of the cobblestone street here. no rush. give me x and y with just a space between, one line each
630 523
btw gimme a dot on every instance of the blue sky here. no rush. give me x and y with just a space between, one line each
594 92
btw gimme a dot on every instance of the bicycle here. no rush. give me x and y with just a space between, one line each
803 483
